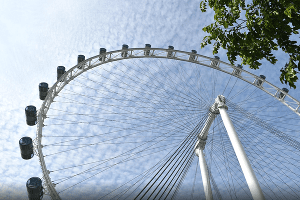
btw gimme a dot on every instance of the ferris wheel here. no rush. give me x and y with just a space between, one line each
139 123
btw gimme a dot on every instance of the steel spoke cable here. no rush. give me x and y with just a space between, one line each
214 185
84 146
128 195
105 160
237 164
145 64
194 181
182 153
135 101
204 86
227 84
173 86
143 102
93 136
275 158
258 171
232 88
264 125
176 166
125 110
110 166
220 127
102 134
178 149
271 161
90 177
239 92
88 137
180 178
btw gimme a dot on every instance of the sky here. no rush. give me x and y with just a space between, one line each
36 37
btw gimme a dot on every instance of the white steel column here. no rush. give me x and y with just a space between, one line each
250 177
199 147
204 174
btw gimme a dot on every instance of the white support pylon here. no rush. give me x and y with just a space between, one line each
199 147
250 177
204 173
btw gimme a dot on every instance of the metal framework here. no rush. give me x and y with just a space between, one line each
112 56
220 107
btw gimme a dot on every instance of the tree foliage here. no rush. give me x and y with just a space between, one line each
267 27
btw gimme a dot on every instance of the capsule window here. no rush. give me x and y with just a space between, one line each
281 95
124 52
102 54
60 71
43 90
34 188
238 70
192 55
147 51
31 117
258 82
170 52
80 59
215 63
26 148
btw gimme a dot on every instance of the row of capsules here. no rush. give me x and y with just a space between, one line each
257 82
34 184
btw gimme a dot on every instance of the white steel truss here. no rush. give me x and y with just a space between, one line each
113 56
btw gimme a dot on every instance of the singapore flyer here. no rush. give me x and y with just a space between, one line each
161 123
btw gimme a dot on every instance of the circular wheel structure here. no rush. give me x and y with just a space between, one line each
124 125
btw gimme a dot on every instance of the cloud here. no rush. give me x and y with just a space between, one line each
38 37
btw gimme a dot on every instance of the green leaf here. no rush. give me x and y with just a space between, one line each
203 6
269 26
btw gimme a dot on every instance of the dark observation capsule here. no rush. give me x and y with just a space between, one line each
102 53
26 148
147 52
60 71
43 88
170 52
80 59
237 71
215 63
259 82
281 95
31 118
192 56
124 52
34 188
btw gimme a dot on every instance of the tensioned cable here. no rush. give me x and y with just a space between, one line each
178 149
151 145
194 181
127 196
258 143
274 158
71 186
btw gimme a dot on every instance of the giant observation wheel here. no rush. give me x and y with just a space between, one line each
134 122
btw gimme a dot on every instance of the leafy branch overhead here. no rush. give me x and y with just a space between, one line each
267 27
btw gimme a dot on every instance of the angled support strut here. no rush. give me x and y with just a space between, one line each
250 177
199 147
219 107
